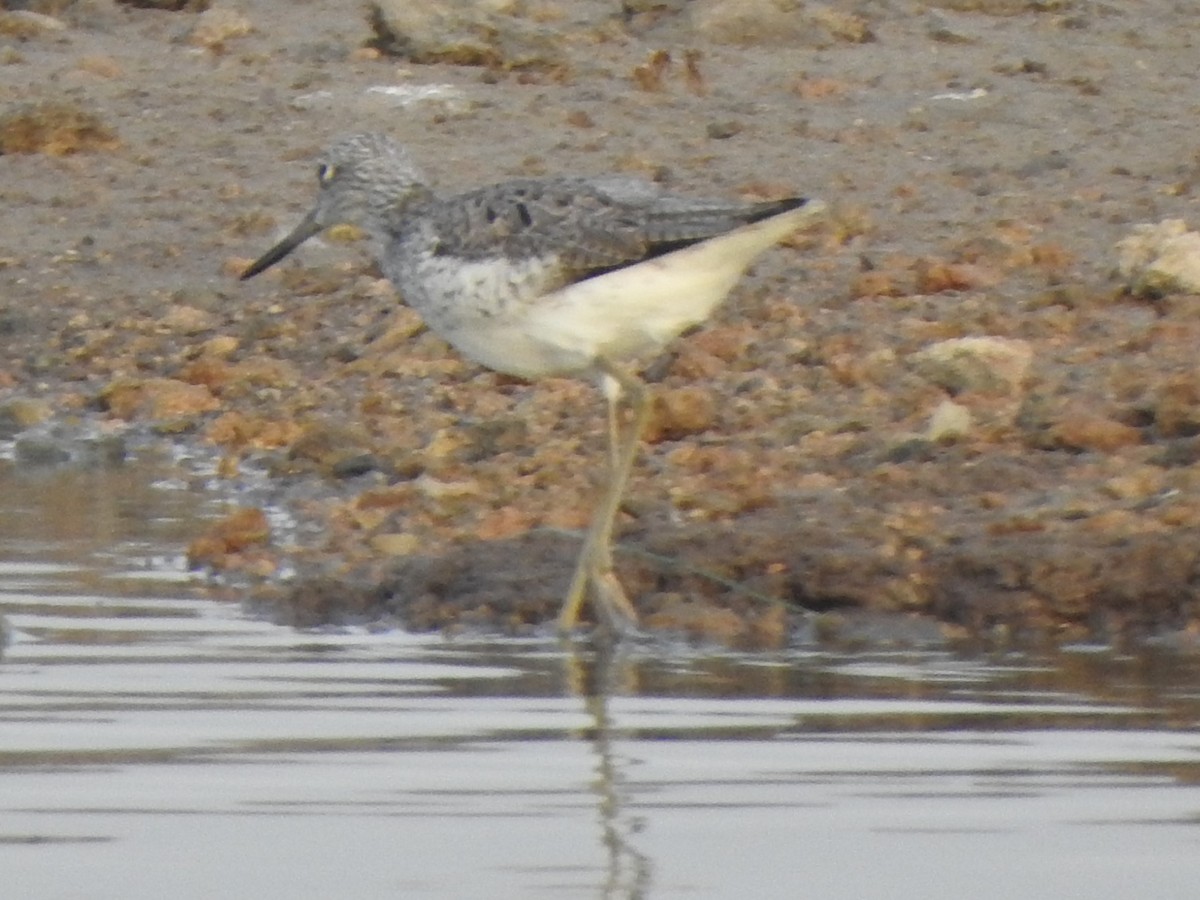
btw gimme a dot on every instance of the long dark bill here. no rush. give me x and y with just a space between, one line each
301 233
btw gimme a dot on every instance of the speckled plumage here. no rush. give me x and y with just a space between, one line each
555 276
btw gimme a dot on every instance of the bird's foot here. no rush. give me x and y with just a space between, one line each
612 603
597 580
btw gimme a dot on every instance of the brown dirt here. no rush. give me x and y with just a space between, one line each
981 168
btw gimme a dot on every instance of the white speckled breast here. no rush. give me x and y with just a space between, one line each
482 306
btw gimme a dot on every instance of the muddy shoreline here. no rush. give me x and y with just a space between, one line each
941 405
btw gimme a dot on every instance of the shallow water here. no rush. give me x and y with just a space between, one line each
156 743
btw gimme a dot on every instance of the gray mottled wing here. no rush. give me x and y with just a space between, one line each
585 225
575 224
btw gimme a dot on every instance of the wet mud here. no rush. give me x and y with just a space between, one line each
942 403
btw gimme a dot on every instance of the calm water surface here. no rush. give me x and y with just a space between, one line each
154 743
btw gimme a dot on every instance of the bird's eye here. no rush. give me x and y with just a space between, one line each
325 173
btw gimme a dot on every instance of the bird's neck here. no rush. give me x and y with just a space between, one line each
387 218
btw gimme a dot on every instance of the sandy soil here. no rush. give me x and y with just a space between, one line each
981 168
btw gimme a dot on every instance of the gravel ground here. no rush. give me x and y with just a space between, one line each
939 408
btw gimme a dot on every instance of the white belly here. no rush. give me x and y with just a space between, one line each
623 314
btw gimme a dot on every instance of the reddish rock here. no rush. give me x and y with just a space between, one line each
1080 429
236 430
934 276
241 531
1177 406
157 398
677 413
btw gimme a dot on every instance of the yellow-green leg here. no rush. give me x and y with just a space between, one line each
594 569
